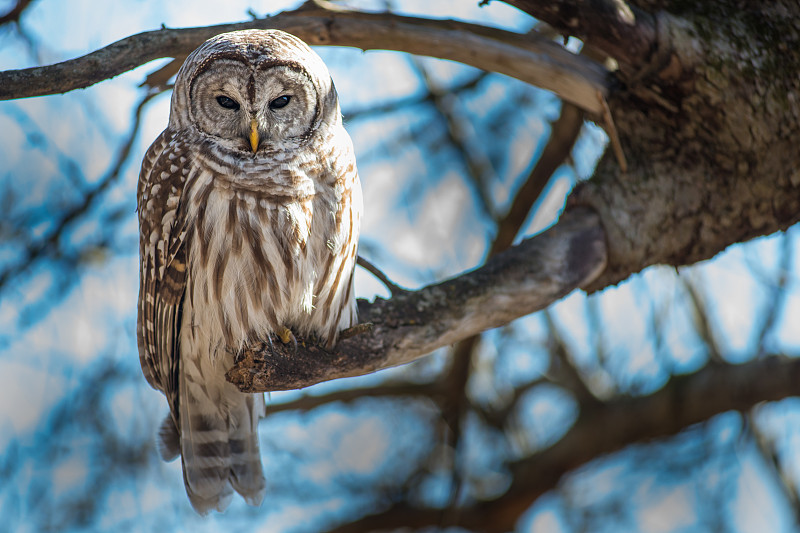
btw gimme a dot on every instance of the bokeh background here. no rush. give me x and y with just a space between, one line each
442 149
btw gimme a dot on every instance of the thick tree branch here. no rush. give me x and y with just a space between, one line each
608 427
713 159
529 58
623 31
524 279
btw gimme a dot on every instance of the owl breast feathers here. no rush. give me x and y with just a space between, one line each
249 212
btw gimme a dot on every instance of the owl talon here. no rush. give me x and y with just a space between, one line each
286 336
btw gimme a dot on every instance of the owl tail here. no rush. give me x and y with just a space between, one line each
218 443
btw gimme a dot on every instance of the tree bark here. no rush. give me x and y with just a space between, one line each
710 137
707 111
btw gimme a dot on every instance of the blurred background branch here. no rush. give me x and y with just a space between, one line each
15 12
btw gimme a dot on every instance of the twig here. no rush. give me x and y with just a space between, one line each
778 293
394 289
45 245
479 167
565 131
562 369
702 319
384 390
613 137
769 452
380 110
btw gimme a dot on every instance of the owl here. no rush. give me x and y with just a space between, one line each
249 208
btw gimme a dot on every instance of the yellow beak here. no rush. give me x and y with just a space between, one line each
253 134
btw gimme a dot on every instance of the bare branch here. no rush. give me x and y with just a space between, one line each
453 409
683 401
623 31
562 368
47 244
393 287
606 428
526 57
460 132
564 133
384 390
768 449
702 317
778 292
395 105
524 279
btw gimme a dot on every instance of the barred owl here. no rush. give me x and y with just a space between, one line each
249 210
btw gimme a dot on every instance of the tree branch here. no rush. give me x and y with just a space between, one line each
48 243
430 390
623 31
526 278
606 428
697 180
529 58
564 133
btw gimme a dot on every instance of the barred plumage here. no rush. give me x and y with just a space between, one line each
249 209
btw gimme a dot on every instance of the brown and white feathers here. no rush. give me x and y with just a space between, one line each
249 210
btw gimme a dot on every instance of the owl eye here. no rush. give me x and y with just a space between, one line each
279 102
227 103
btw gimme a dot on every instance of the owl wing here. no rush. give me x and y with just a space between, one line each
162 254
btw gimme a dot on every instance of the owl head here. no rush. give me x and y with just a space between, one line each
254 89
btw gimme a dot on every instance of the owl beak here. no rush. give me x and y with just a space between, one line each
253 134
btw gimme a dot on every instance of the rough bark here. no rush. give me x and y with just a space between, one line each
624 31
709 120
710 135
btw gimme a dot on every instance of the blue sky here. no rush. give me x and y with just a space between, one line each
65 318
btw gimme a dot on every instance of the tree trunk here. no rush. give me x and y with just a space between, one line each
711 135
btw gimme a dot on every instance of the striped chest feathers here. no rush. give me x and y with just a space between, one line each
254 259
